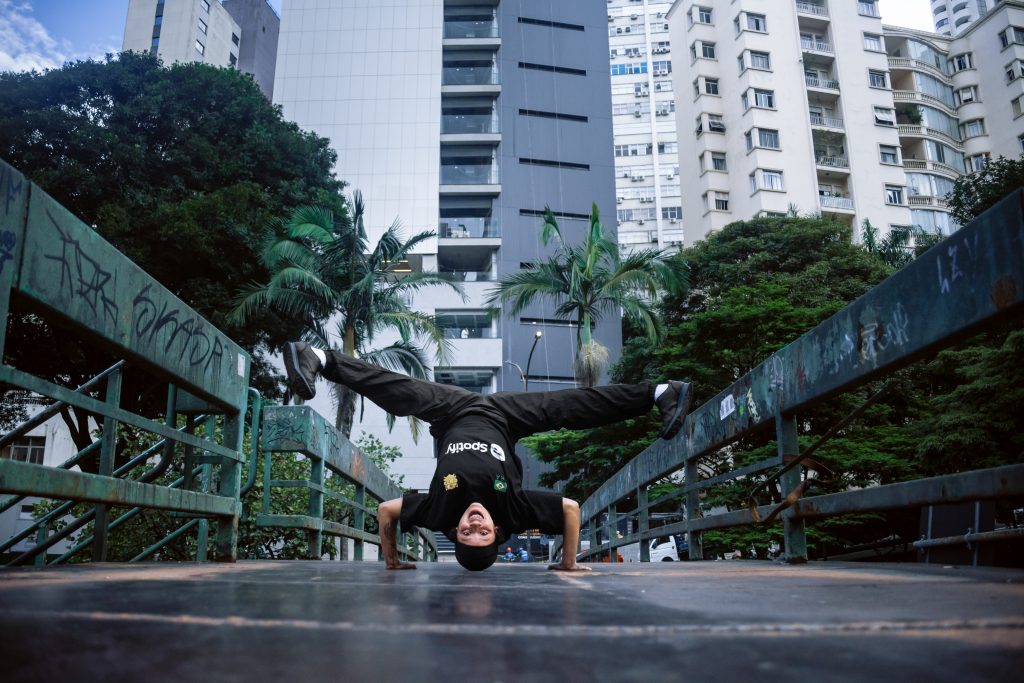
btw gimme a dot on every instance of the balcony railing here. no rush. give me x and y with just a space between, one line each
938 166
925 200
924 131
824 83
836 203
469 174
812 8
468 227
832 161
908 63
466 124
470 29
914 96
468 333
816 45
469 75
826 121
466 275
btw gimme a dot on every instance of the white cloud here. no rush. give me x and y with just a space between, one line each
25 44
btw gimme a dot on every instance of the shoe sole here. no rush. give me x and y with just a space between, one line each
681 411
296 382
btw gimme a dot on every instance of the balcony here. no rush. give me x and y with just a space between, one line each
924 200
468 227
468 174
466 124
811 8
832 162
470 28
841 203
469 75
826 122
816 46
934 166
907 130
914 96
821 83
907 63
466 275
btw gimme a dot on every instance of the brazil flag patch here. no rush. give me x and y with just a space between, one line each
500 485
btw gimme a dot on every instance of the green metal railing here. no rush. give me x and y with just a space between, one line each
300 429
967 283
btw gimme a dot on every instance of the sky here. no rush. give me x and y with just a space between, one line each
43 34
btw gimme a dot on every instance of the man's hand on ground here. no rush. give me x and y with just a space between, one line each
560 567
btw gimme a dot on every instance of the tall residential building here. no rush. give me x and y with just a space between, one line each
952 17
238 33
649 211
466 118
790 107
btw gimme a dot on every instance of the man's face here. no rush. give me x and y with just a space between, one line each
476 526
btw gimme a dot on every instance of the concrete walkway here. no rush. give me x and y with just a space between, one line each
703 621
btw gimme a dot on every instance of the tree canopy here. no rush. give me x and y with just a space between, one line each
178 167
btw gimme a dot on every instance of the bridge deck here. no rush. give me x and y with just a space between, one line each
355 622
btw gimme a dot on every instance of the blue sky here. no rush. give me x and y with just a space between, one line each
42 34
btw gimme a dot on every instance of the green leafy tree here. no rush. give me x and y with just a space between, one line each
900 246
591 280
323 271
975 192
176 167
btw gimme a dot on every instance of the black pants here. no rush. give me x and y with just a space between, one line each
523 413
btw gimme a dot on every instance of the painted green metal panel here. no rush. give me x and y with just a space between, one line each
49 482
69 268
972 279
303 430
13 209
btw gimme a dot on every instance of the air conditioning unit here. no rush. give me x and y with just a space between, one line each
637 113
625 174
619 29
626 29
611 18
640 222
619 200
671 220
670 176
632 16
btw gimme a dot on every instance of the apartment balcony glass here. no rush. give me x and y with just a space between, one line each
466 325
466 124
468 227
468 171
467 27
469 72
466 275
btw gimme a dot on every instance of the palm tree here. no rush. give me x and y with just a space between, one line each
590 280
324 273
902 245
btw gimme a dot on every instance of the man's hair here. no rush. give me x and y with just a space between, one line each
476 558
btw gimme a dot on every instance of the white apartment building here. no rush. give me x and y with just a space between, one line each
241 34
952 17
789 106
649 208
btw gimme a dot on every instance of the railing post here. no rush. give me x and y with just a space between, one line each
314 537
795 537
644 524
613 529
694 542
44 530
592 533
203 525
226 542
359 521
108 449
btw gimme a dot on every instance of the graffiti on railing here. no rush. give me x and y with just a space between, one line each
83 276
195 334
8 240
12 189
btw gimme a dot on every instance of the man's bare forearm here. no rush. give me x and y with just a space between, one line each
570 537
387 518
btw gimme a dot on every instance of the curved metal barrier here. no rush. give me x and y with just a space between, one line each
971 280
300 429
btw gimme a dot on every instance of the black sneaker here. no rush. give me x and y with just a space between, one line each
302 366
674 404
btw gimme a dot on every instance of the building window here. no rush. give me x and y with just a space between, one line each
966 95
721 201
763 179
26 449
888 154
765 138
671 212
1011 35
893 194
977 162
765 99
202 27
873 42
878 79
1018 106
961 62
885 116
707 50
1014 70
868 8
635 150
711 86
715 123
25 512
1020 139
234 39
200 48
748 21
718 161
205 5
154 45
760 60
699 15
232 59
971 129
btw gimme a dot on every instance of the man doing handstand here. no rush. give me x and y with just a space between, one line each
476 496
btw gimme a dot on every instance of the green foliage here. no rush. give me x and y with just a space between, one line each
323 270
590 280
177 167
975 192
